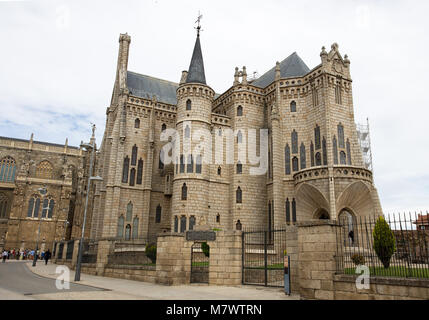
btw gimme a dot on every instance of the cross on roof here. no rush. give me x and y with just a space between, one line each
198 21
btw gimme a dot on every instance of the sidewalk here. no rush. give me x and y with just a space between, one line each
120 289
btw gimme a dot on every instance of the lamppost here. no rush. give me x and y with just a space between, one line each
66 223
87 146
43 191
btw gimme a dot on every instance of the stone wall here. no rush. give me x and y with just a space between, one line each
381 289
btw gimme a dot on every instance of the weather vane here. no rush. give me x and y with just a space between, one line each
198 21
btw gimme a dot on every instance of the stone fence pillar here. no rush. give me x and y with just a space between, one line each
225 267
105 247
316 255
75 253
64 256
173 259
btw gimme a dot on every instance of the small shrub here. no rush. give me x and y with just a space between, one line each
358 259
206 249
151 252
384 241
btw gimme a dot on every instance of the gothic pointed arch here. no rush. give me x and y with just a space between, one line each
309 201
45 170
357 196
7 169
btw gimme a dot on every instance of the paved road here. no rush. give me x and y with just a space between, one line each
17 281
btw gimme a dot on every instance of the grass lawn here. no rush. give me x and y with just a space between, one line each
395 271
200 264
270 266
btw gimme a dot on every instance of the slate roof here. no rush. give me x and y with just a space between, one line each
292 66
144 86
196 67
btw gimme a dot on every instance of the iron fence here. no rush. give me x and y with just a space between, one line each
200 263
263 257
89 251
355 246
70 248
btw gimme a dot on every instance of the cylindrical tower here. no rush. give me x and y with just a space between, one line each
190 202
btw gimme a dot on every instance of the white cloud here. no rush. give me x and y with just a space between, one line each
59 59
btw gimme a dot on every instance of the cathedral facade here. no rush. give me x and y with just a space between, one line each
267 152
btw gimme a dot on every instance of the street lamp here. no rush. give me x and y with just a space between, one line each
87 146
43 192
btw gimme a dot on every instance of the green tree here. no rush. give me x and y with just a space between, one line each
206 249
384 241
151 252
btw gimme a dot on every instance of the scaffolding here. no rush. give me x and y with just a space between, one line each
365 143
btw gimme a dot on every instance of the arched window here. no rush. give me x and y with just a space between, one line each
198 164
322 214
132 177
33 207
163 127
187 132
239 167
317 137
341 136
135 228
137 123
293 210
129 211
238 225
134 155
7 169
294 137
182 224
287 204
219 171
325 153
191 222
287 159
176 224
218 218
295 164
349 154
335 150
158 214
128 232
161 159
342 157
239 111
303 157
188 104
190 164
120 231
182 163
44 170
125 169
184 192
219 132
3 205
51 208
293 106
318 159
238 195
140 171
312 153
239 137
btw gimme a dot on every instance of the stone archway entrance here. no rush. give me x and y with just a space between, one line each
348 223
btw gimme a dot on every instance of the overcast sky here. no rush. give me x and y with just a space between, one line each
58 61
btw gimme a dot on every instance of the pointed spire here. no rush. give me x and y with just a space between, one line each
196 68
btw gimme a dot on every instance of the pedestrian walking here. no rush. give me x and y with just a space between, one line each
47 256
4 256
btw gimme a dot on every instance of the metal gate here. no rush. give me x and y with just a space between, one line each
199 264
263 257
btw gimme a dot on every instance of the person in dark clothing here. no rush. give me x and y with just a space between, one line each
47 256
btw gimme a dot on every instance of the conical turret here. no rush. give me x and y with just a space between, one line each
196 68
